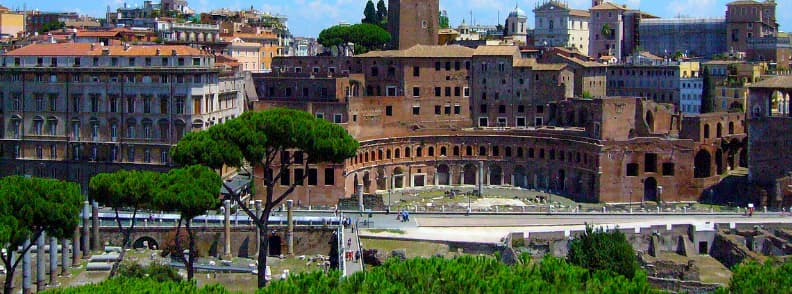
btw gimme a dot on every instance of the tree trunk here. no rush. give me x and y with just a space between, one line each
191 255
263 249
177 241
8 286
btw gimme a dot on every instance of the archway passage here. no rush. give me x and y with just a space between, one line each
381 180
561 184
367 182
495 175
398 178
520 177
274 245
650 189
145 243
743 158
443 175
470 174
702 164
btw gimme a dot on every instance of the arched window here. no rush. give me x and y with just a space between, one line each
430 151
443 151
469 151
508 151
519 152
482 151
706 131
397 153
388 154
407 152
419 152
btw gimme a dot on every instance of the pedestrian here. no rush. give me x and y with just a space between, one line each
349 243
357 256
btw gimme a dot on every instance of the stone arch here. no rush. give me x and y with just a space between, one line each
407 152
443 175
495 175
469 171
443 151
719 130
731 128
482 151
469 151
145 242
398 178
702 164
379 154
366 182
430 151
650 189
388 154
397 153
381 179
419 151
520 177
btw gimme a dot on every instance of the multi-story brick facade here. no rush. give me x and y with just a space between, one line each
747 20
660 82
617 149
74 110
413 22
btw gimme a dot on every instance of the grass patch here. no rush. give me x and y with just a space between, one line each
413 248
392 231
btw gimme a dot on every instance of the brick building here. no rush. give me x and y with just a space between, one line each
413 22
615 149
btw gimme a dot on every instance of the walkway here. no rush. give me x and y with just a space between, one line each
352 266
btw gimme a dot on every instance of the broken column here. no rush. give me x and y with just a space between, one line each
95 223
290 220
53 261
359 194
64 257
76 247
41 266
27 270
227 229
84 242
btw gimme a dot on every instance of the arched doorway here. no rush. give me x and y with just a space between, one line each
702 165
561 184
650 189
366 182
469 171
520 177
398 178
381 179
730 159
274 244
495 175
145 243
743 158
443 175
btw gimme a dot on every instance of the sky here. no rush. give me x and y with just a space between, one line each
309 17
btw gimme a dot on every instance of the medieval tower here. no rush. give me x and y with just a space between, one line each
413 22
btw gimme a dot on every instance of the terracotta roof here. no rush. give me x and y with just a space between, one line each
548 66
97 34
779 82
580 62
423 51
578 12
84 49
254 36
496 50
524 62
226 60
608 6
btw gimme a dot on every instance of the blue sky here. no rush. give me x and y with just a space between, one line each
308 17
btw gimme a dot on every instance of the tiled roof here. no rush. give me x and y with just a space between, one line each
496 50
524 62
84 49
580 62
649 55
578 12
779 82
548 66
423 51
97 34
608 6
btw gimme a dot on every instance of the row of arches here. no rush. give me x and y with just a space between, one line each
720 132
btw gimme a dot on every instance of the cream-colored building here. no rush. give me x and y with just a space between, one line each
730 98
10 23
557 25
246 53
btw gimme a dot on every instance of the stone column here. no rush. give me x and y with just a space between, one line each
27 270
76 247
227 229
359 194
53 266
290 220
41 266
85 240
95 223
258 231
481 178
64 257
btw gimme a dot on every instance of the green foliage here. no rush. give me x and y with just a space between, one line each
444 21
158 272
51 26
192 191
752 277
123 285
587 95
466 274
382 13
365 36
370 15
124 189
599 250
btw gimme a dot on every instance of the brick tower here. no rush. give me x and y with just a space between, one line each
413 22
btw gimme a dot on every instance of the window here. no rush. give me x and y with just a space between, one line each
52 99
457 109
180 105
147 104
632 169
131 131
329 174
438 91
299 177
447 91
447 110
130 104
438 109
502 109
520 121
389 110
374 71
502 122
416 110
438 66
650 163
53 151
466 91
416 92
38 126
483 108
285 177
320 115
457 91
338 118
164 156
131 154
313 177
668 169
164 104
483 122
114 131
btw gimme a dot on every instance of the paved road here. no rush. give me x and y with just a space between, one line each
352 244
